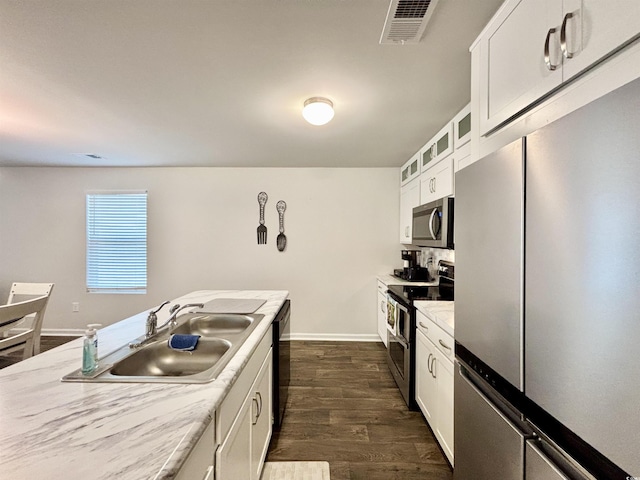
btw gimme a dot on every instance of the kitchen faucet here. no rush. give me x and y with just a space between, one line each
152 321
171 321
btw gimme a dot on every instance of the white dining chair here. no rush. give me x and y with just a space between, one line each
29 338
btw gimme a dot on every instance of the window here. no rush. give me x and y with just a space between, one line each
117 242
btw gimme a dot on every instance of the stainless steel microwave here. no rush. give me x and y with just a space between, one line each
433 224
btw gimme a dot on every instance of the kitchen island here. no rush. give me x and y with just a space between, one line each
112 430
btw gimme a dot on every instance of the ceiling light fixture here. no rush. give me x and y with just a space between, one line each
317 110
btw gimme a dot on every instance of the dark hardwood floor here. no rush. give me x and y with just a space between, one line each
344 408
47 342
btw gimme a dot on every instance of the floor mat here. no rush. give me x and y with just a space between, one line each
295 471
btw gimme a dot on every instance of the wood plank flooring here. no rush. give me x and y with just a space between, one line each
345 408
47 342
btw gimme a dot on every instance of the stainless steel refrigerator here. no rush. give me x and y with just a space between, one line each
548 301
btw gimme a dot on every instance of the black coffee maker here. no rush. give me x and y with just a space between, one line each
412 270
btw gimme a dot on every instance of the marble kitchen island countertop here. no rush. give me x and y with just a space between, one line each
440 312
91 431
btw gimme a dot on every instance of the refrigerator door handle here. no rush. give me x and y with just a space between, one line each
544 460
498 405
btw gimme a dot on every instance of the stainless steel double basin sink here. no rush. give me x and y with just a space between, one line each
221 335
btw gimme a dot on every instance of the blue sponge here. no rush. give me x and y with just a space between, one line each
184 343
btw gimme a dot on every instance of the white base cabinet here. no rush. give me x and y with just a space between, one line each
199 464
244 421
434 380
382 312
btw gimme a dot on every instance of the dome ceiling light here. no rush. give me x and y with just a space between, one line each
317 110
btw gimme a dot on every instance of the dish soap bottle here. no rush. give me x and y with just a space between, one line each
90 349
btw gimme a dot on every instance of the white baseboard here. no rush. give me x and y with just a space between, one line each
318 337
334 337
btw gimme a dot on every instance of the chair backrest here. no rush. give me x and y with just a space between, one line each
21 291
11 314
31 290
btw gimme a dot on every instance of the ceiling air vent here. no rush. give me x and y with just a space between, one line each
406 21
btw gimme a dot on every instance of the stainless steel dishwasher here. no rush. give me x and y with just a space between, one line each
281 362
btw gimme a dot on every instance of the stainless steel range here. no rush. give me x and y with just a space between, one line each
401 326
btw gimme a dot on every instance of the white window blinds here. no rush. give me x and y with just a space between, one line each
117 242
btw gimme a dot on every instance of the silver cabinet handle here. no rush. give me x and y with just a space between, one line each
444 344
433 367
547 57
260 406
434 185
382 306
424 326
429 363
255 400
563 36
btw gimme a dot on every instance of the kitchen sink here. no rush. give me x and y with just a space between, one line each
212 324
160 360
221 335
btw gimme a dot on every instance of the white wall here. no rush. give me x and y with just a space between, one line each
341 226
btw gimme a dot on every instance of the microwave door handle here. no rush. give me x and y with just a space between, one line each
433 214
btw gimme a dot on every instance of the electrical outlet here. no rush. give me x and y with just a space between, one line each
75 306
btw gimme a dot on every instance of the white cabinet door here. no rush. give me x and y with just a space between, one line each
513 71
462 127
261 417
531 47
199 464
593 28
409 198
437 148
233 458
437 181
443 370
426 385
410 170
382 317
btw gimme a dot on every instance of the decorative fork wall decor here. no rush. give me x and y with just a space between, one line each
262 230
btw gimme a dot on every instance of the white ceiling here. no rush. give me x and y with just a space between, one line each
222 82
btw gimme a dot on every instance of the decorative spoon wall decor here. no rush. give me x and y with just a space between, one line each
281 241
262 230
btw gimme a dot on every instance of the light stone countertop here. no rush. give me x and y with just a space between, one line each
129 431
440 312
389 279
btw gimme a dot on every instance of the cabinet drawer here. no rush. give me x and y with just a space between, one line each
441 339
234 400
382 287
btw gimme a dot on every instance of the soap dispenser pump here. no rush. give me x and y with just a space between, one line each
90 349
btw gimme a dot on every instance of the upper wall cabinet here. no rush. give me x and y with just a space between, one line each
437 148
462 127
531 47
410 170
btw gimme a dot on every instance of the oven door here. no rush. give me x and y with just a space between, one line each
399 350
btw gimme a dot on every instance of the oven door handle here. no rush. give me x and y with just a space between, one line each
400 340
